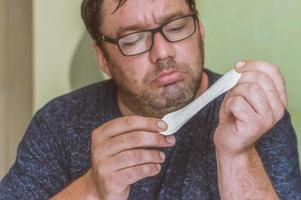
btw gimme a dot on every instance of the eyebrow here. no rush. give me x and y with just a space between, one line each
142 26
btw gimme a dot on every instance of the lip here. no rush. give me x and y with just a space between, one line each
168 77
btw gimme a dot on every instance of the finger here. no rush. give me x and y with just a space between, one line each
135 140
239 108
129 123
269 89
245 118
134 174
255 96
271 70
135 157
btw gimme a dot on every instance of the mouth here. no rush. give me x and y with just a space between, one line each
168 77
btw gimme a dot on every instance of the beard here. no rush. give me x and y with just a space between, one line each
148 101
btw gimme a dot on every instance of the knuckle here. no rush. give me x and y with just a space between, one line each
118 141
154 169
159 139
281 112
94 135
98 149
147 139
237 101
107 126
134 173
274 68
152 123
262 76
266 122
146 122
137 140
254 88
154 156
129 121
158 156
149 169
142 171
135 156
269 121
273 92
98 134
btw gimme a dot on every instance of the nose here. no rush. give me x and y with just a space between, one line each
162 49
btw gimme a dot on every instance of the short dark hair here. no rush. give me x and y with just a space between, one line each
90 12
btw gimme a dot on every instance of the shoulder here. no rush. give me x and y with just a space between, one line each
86 106
83 98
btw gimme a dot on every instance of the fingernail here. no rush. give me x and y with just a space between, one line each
240 65
171 139
158 167
162 125
162 155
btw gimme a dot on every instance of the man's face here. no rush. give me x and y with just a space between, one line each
167 77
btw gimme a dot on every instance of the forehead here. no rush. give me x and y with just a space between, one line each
139 12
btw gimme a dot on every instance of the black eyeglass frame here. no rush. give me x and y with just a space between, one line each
152 31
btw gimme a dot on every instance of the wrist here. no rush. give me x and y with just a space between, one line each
91 190
243 157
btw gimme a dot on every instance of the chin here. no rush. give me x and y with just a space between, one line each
174 97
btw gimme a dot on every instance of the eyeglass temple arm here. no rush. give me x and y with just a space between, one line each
108 39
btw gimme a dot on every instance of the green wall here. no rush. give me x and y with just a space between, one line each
235 30
256 30
57 29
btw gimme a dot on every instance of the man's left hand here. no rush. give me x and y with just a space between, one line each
251 108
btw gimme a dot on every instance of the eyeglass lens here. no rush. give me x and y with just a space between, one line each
141 42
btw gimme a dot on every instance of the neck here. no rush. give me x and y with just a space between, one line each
203 86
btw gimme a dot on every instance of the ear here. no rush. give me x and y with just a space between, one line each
201 29
102 61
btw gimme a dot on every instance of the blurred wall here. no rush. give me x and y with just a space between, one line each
58 29
15 76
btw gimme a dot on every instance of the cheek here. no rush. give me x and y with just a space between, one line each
137 68
131 71
191 54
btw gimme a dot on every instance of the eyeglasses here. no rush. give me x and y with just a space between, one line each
142 41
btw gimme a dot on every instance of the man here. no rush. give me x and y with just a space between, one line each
103 141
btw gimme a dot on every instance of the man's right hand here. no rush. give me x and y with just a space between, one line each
120 156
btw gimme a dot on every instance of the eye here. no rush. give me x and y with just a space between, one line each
131 40
175 29
176 26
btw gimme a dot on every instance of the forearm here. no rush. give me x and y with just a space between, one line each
82 188
243 177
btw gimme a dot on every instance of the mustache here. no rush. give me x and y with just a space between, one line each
166 64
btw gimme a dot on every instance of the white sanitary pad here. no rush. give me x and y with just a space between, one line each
177 119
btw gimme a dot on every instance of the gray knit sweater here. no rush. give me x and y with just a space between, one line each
56 151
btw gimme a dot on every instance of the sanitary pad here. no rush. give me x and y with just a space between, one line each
177 119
